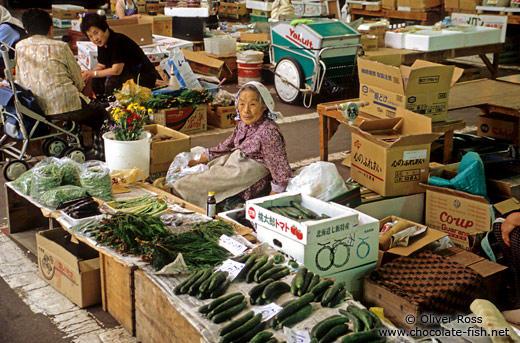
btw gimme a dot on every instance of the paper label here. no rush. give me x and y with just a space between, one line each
231 245
267 311
296 336
415 155
232 267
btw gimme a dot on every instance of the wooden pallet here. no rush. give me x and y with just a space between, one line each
509 11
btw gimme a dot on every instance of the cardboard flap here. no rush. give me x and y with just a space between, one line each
197 57
430 236
414 123
384 76
457 72
425 138
508 205
88 265
429 78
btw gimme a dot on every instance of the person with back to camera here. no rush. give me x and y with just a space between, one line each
11 32
126 9
48 68
252 162
119 58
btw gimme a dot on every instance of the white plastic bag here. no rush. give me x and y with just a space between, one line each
320 180
179 167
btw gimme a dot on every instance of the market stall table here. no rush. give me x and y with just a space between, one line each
330 117
426 17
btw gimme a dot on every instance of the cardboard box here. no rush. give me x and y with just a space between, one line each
161 24
389 4
451 4
499 126
222 116
123 21
410 207
345 240
353 278
391 156
155 7
182 119
73 269
432 40
369 42
163 152
87 54
255 37
61 23
64 11
463 216
422 88
469 5
139 33
418 5
203 64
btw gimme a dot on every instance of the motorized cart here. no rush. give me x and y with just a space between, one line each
306 54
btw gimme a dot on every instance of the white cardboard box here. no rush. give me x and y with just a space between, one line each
259 5
87 54
346 240
429 40
395 39
61 23
478 35
186 11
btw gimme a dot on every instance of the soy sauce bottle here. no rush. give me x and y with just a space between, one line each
211 205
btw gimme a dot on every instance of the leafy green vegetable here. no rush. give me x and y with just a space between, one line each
54 196
23 182
44 178
188 98
71 171
95 178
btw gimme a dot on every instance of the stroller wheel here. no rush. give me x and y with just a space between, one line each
76 154
54 147
13 169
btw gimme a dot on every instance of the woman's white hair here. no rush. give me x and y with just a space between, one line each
253 88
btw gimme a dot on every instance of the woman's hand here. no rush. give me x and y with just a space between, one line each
87 75
512 222
194 162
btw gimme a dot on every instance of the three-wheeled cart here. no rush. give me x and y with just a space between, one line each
306 54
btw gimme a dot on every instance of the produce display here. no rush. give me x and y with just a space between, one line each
23 182
46 176
81 207
62 193
188 98
71 171
297 211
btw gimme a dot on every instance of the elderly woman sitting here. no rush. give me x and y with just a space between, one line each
252 162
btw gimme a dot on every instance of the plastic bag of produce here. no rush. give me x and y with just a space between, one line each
23 182
71 170
95 178
179 167
54 196
46 175
320 180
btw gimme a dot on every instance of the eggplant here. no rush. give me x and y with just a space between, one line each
67 203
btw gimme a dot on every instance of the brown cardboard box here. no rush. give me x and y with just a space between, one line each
161 24
391 156
222 116
123 21
463 216
70 13
422 88
421 5
255 37
499 126
469 5
73 269
163 152
200 63
389 4
369 42
139 33
182 119
451 4
155 7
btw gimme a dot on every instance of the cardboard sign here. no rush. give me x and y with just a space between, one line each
497 21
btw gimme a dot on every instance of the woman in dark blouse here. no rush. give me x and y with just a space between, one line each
119 58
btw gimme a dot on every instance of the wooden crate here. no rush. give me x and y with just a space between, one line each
117 291
156 319
231 73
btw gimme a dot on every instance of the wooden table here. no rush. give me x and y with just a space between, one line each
330 118
425 18
409 56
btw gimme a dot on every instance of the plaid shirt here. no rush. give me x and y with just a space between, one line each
48 68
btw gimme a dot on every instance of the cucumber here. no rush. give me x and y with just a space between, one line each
319 330
202 296
293 264
280 274
321 287
304 210
279 258
306 282
365 318
226 305
272 271
256 291
300 277
217 280
292 307
297 317
331 293
338 298
272 340
194 288
212 305
250 334
203 286
261 337
228 313
220 289
334 333
236 323
204 309
315 280
242 258
275 287
189 281
263 269
359 337
294 289
251 273
294 212
248 265
358 325
376 321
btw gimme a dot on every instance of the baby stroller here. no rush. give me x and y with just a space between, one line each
24 122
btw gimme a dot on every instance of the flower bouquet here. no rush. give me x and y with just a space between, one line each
129 122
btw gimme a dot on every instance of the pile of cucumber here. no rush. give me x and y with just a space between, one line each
224 307
205 284
325 291
297 212
267 292
248 328
293 312
259 267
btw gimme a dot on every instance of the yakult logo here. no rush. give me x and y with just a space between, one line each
297 37
252 213
357 144
447 218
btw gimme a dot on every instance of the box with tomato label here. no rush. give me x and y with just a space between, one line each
339 239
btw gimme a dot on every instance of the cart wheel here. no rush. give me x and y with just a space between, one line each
13 169
290 70
55 147
76 154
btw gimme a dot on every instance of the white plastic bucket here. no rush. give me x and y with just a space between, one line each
120 155
248 72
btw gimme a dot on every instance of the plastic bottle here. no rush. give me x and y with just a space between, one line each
211 205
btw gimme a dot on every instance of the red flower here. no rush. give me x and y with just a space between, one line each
129 120
130 128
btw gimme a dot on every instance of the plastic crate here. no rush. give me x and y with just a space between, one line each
258 18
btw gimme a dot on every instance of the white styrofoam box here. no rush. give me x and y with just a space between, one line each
186 11
156 53
67 7
259 5
169 43
231 215
299 7
478 35
404 8
75 23
87 54
315 8
220 45
347 239
394 39
429 40
61 23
